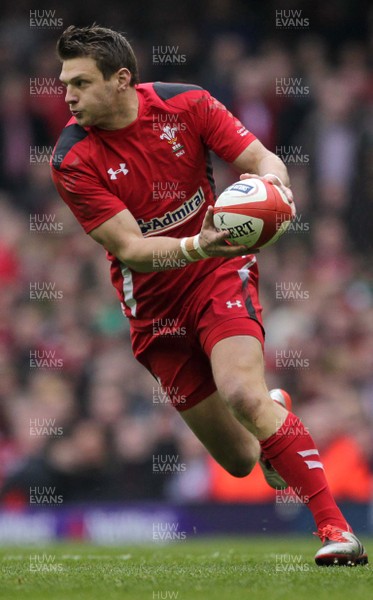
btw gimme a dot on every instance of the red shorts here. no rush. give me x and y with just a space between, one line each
176 348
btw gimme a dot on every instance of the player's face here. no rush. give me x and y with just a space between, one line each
91 99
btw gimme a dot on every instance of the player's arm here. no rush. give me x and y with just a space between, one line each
122 237
229 139
256 160
107 220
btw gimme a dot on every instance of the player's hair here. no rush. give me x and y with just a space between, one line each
109 48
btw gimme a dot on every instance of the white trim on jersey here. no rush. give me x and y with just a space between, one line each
244 271
129 298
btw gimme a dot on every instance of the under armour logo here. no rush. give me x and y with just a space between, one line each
232 304
113 174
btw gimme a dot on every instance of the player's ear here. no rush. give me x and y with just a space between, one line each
124 79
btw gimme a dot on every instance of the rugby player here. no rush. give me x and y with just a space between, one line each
191 298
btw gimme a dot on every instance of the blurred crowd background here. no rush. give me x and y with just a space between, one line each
91 422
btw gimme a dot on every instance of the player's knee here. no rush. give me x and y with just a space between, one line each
240 468
245 401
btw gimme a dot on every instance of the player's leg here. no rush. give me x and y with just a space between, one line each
238 369
210 430
184 374
228 442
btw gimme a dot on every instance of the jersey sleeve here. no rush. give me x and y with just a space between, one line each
80 187
221 131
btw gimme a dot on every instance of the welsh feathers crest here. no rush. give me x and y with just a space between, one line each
169 134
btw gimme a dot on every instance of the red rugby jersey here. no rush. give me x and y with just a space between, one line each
159 168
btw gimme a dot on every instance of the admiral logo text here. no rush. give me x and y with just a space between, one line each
172 218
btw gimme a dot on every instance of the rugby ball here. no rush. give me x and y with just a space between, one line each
254 211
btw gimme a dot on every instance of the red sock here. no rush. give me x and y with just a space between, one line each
292 452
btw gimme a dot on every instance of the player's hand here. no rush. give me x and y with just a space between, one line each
214 242
277 181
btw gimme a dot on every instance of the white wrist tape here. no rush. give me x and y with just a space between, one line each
186 251
191 249
197 246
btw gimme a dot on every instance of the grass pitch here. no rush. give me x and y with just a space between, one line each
212 569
